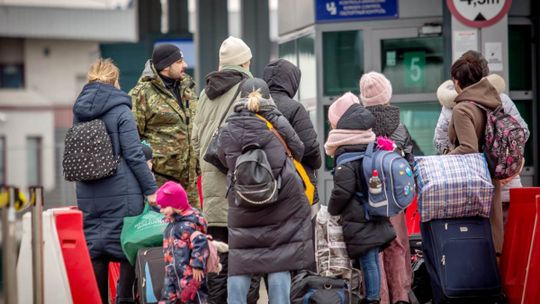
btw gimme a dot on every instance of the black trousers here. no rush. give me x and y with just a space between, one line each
124 290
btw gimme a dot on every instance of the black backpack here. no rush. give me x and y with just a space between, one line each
88 152
253 182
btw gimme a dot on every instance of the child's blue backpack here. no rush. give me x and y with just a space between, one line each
396 177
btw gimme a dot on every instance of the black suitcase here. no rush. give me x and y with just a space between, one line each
460 260
150 273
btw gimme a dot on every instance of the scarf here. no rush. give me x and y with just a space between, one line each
343 137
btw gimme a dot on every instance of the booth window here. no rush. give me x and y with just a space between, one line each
308 65
421 120
520 58
287 51
343 62
3 179
413 65
11 76
33 160
301 52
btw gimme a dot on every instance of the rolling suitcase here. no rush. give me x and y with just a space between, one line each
460 259
150 273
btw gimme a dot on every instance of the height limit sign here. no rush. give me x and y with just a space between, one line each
479 13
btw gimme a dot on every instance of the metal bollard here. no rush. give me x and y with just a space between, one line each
9 257
36 196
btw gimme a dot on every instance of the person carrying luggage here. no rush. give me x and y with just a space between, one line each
105 201
375 94
185 256
269 227
365 238
467 125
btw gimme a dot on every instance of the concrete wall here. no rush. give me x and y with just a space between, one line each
19 124
56 69
68 23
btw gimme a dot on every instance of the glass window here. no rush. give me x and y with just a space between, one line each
413 65
287 51
328 161
11 76
3 160
420 118
525 109
33 160
308 65
520 61
343 62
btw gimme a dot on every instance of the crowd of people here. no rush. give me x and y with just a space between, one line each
235 113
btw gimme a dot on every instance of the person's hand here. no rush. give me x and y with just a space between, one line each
198 274
151 199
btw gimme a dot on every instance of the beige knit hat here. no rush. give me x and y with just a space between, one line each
375 89
234 51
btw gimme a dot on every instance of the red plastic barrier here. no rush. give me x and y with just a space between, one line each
517 241
531 290
114 275
80 273
412 215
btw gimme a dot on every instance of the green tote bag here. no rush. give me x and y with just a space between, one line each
143 230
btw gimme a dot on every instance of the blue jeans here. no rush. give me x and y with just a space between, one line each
279 285
369 262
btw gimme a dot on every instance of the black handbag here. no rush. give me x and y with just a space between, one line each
211 154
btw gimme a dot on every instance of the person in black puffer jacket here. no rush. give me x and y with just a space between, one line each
375 94
278 238
105 202
351 132
283 79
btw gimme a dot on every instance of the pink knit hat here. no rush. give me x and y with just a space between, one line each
340 106
375 89
172 194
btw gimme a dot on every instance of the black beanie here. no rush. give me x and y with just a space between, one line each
253 84
164 55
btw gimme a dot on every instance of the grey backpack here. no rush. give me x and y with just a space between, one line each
253 182
88 152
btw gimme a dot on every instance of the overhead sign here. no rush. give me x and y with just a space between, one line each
479 13
345 10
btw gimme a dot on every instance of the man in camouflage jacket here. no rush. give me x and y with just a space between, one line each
164 103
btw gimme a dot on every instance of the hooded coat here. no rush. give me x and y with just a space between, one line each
214 102
468 122
105 202
278 237
283 79
359 233
387 123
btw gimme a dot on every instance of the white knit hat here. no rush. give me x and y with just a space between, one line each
446 94
497 81
375 89
234 51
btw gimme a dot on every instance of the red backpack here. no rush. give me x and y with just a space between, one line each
504 143
212 262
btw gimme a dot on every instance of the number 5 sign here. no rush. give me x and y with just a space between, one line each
479 13
415 63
